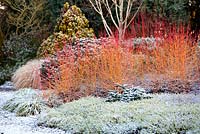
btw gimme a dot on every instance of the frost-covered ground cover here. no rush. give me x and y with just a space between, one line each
12 124
164 113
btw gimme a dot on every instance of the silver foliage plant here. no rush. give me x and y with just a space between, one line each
128 94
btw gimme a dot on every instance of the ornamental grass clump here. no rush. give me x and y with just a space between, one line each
28 76
26 102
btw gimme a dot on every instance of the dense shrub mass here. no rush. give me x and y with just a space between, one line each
81 68
73 22
19 49
6 73
71 25
84 68
53 43
174 10
162 114
16 51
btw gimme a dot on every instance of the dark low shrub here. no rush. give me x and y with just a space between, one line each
16 51
128 94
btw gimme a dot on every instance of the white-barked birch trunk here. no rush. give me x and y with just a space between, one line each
123 18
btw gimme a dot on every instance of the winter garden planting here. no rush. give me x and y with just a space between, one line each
141 76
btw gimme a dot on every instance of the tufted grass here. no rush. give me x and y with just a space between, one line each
28 76
164 113
26 102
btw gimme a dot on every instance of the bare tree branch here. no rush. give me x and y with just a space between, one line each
23 15
135 14
121 22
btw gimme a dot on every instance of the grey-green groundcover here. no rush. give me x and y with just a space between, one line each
162 114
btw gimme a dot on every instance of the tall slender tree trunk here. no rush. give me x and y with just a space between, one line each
121 28
121 36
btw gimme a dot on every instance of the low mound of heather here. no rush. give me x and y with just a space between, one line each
164 113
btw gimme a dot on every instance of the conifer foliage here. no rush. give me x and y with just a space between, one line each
71 25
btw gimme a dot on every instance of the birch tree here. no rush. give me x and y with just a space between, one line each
123 14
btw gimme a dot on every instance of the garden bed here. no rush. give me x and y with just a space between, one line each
164 113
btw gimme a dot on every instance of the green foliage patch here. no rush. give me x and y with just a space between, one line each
162 114
53 43
173 10
20 49
73 23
